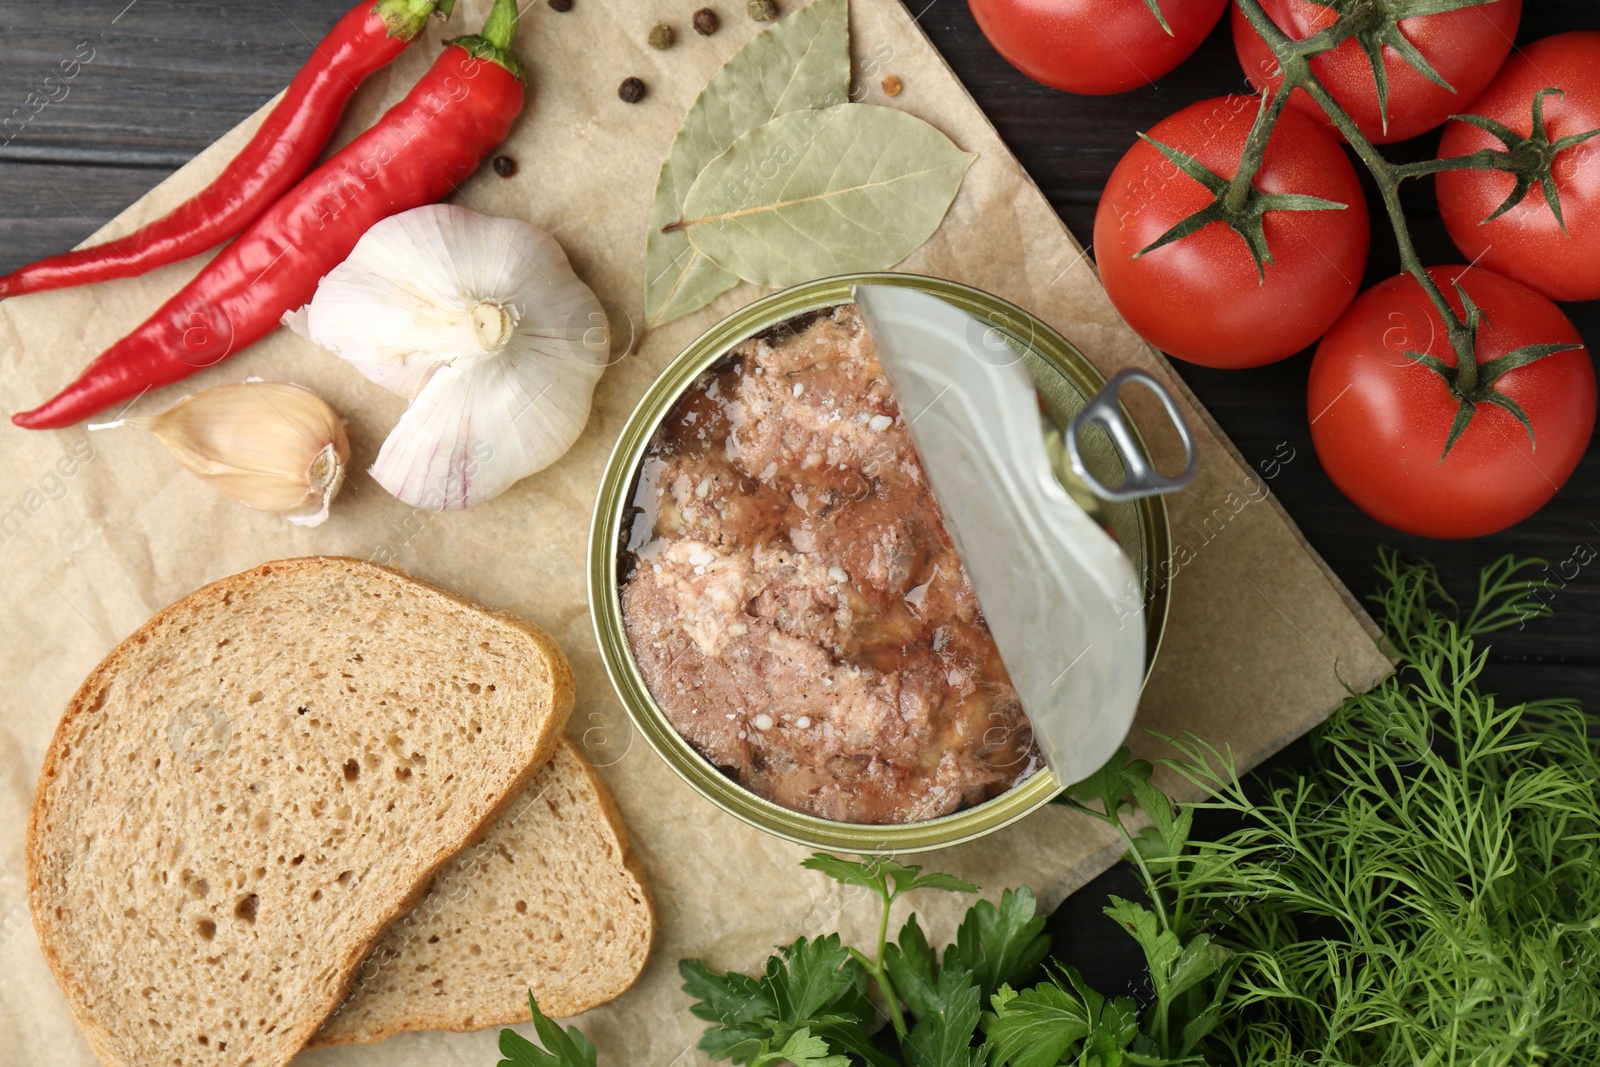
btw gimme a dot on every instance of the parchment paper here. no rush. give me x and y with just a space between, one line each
97 531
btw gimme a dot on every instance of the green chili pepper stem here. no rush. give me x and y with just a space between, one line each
406 18
501 28
495 40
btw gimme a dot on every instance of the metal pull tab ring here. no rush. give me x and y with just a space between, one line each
1105 411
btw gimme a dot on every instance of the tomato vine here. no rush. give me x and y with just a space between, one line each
1241 206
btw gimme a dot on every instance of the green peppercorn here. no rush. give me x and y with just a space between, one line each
706 22
661 36
631 90
763 10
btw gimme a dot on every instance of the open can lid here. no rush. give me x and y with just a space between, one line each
1062 600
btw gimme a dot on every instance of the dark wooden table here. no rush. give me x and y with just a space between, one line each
161 79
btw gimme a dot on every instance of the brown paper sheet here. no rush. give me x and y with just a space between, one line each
97 531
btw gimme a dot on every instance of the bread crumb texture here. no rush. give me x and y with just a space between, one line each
549 901
248 791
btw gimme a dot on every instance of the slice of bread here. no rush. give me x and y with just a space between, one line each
248 791
549 900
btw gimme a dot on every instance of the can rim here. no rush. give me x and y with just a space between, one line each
614 501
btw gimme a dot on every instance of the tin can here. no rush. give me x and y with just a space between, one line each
1066 383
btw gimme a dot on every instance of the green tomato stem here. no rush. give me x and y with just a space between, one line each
1254 151
1487 159
1297 74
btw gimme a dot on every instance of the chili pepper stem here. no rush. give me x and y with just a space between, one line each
498 34
406 18
501 27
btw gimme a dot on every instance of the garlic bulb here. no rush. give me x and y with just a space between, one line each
483 325
270 445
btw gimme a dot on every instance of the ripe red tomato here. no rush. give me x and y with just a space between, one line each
1095 46
1201 298
1526 243
1380 421
1466 47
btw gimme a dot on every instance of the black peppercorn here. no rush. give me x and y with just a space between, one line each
762 10
631 90
705 22
560 5
505 166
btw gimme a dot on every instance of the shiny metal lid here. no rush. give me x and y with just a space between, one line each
1061 598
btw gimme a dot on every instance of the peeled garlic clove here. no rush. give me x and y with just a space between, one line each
269 445
484 324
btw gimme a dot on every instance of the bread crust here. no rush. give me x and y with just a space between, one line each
83 704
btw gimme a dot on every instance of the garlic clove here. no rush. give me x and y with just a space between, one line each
401 378
272 446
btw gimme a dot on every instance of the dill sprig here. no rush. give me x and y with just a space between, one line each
1431 893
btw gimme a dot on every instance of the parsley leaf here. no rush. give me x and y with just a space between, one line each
942 1036
847 872
1108 786
562 1048
813 975
812 985
1036 1027
1161 946
1113 1026
1001 945
913 968
725 998
802 1050
1175 969
1050 1024
1200 959
1163 842
887 877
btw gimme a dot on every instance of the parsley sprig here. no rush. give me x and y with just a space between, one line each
562 1048
933 1001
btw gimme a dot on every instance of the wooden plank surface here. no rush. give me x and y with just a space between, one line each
154 81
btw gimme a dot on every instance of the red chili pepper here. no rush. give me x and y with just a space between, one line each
283 149
416 154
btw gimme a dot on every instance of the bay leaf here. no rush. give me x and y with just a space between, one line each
799 63
816 193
